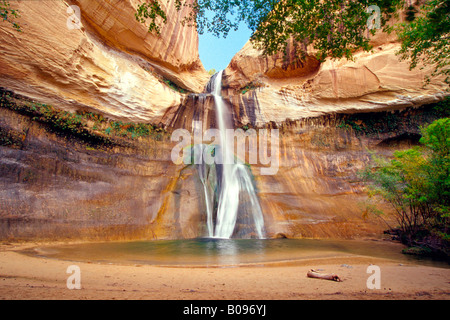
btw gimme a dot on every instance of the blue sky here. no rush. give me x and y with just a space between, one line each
216 53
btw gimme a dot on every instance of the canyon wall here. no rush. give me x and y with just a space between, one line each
317 191
58 184
284 87
55 185
108 62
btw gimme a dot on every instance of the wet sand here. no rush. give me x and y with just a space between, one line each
37 278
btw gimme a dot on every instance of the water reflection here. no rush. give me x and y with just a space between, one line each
228 251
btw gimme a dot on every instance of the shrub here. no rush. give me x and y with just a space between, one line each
416 184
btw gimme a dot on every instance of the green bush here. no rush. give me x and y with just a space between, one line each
416 184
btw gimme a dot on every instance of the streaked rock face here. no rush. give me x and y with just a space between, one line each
112 65
56 187
250 65
173 53
264 89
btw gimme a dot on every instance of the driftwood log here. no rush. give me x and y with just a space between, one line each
326 276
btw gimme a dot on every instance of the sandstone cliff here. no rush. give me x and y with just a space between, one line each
56 185
111 64
284 87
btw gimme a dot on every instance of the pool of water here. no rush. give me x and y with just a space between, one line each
226 252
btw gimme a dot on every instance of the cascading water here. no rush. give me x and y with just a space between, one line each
236 195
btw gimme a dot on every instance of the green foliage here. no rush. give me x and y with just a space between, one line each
60 121
332 29
11 138
251 86
436 137
6 12
151 10
442 108
416 183
335 28
212 72
97 118
134 130
425 40
174 86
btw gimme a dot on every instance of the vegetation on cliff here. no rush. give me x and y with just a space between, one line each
415 183
91 128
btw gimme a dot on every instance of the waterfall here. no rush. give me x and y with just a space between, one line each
237 197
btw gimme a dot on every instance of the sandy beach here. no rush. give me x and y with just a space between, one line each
36 278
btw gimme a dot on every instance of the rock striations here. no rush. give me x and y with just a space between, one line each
284 87
107 62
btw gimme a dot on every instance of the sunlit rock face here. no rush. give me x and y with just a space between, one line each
279 88
107 63
250 66
173 53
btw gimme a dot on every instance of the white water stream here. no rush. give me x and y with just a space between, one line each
236 182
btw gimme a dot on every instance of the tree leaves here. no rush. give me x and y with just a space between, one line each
6 12
416 182
426 39
151 10
333 28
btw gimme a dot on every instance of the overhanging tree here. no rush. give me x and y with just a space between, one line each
331 28
425 39
334 28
